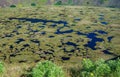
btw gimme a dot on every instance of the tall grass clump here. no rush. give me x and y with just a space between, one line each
47 69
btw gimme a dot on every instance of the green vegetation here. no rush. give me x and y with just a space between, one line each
2 68
47 69
33 4
12 6
58 3
89 68
23 43
98 68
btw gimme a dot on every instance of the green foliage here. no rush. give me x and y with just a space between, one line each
115 67
33 4
87 64
118 65
1 67
12 6
112 65
58 3
100 68
47 69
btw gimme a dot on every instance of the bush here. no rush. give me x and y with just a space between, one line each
100 68
33 4
87 64
58 3
47 69
12 6
115 68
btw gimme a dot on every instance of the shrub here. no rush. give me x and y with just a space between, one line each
88 67
33 4
47 69
58 3
102 70
87 64
97 69
12 6
112 64
118 65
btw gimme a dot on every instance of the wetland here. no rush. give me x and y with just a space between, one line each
58 34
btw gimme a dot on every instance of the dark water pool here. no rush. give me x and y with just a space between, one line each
32 20
35 41
100 31
110 38
71 43
26 45
93 39
104 23
51 36
80 33
108 52
19 40
77 19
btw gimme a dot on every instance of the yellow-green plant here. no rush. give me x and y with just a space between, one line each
47 69
102 68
